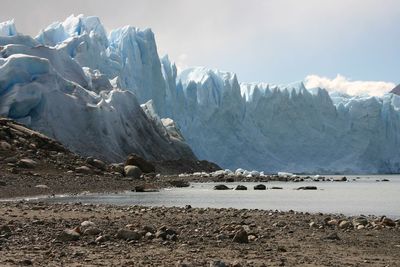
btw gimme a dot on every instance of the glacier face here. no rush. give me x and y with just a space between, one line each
43 86
287 128
84 87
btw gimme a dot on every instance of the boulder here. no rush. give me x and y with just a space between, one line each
221 187
143 164
132 171
308 187
241 187
97 163
260 187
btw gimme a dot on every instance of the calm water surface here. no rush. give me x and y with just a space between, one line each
362 196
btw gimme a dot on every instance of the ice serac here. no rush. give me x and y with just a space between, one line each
45 88
7 28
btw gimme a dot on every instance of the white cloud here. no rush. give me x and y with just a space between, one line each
345 85
181 63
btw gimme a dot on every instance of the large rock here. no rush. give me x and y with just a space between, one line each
143 164
260 187
132 171
221 187
241 187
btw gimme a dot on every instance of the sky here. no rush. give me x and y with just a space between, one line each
350 44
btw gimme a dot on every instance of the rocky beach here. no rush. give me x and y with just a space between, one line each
41 234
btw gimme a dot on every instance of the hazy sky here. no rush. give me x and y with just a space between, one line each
273 41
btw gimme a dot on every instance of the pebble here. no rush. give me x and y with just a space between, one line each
241 237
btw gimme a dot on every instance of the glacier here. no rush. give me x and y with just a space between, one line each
108 95
45 88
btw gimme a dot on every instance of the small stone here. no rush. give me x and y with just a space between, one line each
313 225
388 222
68 235
345 224
84 170
360 227
332 236
42 186
161 234
360 221
280 224
241 237
27 163
217 263
86 224
26 262
332 222
127 235
92 231
102 239
5 146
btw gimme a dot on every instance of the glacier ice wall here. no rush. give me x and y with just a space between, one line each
287 128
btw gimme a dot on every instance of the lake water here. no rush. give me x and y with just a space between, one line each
364 196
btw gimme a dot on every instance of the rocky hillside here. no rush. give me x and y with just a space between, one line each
32 163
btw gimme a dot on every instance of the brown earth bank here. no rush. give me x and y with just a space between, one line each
41 234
